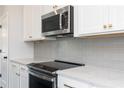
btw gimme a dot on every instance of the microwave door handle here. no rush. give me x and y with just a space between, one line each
60 21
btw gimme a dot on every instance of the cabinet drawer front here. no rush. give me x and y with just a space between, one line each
15 67
23 71
72 83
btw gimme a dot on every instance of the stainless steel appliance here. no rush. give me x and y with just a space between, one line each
59 22
43 75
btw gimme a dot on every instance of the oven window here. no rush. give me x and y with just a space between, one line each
35 82
51 23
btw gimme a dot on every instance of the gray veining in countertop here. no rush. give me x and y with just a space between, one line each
97 76
25 61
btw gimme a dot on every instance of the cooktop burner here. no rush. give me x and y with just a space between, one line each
53 65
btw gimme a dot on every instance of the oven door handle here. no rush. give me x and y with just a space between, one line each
38 75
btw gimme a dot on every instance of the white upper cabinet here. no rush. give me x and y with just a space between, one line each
27 23
32 23
36 20
90 19
24 79
4 33
116 18
96 20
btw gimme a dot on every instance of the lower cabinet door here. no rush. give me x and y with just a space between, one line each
16 81
24 79
24 82
18 76
14 77
4 71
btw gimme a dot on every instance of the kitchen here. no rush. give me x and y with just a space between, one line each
94 48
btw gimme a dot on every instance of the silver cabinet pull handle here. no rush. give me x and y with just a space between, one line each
68 86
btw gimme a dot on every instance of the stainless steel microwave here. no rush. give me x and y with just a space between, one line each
58 22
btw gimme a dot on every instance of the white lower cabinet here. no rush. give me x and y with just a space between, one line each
0 69
4 70
14 75
65 82
18 76
24 77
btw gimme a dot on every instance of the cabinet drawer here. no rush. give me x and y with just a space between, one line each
15 67
23 71
65 82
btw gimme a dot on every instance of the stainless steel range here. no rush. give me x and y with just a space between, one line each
43 75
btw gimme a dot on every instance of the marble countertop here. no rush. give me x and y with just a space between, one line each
25 61
98 76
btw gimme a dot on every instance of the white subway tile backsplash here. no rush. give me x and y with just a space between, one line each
107 52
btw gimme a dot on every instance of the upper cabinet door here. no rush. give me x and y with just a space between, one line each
28 22
90 19
116 18
32 23
36 21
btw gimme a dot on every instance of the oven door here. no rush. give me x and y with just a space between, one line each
41 80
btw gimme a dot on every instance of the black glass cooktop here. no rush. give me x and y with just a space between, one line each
54 65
